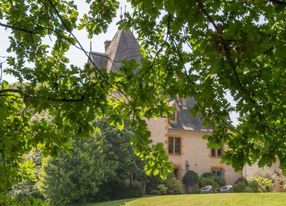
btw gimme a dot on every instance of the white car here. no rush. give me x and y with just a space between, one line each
207 189
227 188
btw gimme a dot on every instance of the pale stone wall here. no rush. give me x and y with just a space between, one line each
254 170
197 154
194 150
158 128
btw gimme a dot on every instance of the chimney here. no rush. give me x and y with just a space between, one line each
106 44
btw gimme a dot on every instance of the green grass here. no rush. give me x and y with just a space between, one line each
234 199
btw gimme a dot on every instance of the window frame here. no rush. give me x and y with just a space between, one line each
174 117
214 152
214 171
172 140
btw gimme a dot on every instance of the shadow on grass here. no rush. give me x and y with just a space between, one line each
112 203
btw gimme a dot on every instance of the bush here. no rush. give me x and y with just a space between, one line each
160 190
163 189
26 189
113 190
123 192
220 181
76 177
196 191
204 181
207 174
26 194
154 185
241 179
208 178
26 200
155 192
191 178
260 184
240 186
173 185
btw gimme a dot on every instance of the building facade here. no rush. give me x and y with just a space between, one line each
182 137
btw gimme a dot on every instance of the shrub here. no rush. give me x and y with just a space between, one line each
207 174
113 190
123 192
155 192
191 178
152 184
208 178
260 184
173 185
241 179
76 177
26 200
196 191
239 186
26 194
163 189
204 181
26 189
220 181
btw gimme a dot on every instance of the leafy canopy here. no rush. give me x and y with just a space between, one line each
204 49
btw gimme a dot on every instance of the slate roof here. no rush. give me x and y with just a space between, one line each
99 59
185 121
122 47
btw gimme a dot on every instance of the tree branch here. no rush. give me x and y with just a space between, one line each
105 78
66 99
161 48
226 49
10 90
13 27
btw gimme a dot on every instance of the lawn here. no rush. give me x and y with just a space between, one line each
234 199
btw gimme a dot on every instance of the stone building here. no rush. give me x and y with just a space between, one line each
182 135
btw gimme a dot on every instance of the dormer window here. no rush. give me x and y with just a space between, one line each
174 116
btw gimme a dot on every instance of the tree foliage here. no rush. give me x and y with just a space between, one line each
190 178
76 176
212 50
205 49
54 100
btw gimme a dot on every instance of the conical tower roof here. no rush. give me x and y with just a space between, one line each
123 46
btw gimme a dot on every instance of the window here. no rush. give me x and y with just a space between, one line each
176 173
216 152
173 118
174 145
219 172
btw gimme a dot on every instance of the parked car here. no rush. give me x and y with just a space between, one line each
207 189
227 188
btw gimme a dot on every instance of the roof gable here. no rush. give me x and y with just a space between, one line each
122 47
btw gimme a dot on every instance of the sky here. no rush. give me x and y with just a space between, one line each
76 56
